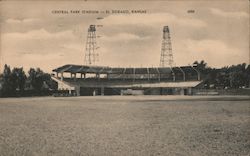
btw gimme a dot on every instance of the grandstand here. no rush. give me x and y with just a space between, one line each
101 80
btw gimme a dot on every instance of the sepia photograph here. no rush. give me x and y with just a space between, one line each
124 78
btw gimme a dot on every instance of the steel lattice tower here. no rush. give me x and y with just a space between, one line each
166 49
91 55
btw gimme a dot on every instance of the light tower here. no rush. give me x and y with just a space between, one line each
166 49
91 55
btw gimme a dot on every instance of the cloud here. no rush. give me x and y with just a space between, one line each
38 34
215 52
227 14
45 62
18 21
123 37
152 20
73 46
27 46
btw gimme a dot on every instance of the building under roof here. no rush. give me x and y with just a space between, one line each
102 80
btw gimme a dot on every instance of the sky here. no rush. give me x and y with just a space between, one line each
33 35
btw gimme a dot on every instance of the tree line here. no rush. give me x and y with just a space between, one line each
16 82
228 77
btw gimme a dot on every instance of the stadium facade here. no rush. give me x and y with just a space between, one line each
82 80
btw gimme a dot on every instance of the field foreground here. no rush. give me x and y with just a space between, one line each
132 125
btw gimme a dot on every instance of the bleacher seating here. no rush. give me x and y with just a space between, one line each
153 71
141 70
178 74
190 73
129 71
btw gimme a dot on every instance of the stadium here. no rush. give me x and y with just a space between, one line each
91 80
96 80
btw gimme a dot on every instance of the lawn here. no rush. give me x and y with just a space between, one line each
125 125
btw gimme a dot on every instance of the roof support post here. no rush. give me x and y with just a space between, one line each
184 76
133 74
108 76
159 74
61 76
198 74
148 74
123 73
74 76
173 74
97 76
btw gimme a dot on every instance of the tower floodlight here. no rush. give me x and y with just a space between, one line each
166 59
91 55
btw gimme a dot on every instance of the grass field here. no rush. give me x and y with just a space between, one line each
132 125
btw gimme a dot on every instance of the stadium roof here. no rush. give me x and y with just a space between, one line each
108 70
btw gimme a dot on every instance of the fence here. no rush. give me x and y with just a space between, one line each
221 91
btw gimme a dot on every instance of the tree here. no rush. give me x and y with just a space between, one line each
207 74
238 75
40 80
13 82
18 78
247 75
8 89
201 66
51 84
36 78
235 76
